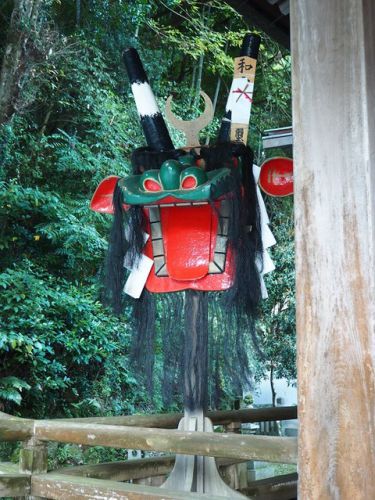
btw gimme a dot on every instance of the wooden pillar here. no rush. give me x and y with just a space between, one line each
333 51
235 475
33 459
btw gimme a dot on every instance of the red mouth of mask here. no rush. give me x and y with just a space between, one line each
189 246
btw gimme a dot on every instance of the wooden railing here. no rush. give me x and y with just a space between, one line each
144 432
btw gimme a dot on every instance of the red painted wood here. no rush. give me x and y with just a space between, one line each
276 176
187 236
207 282
102 200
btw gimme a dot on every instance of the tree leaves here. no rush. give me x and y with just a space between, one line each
11 389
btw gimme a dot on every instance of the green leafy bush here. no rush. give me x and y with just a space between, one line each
58 342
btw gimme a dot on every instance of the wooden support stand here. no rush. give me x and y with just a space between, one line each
195 473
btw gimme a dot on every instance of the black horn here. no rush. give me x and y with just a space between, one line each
153 124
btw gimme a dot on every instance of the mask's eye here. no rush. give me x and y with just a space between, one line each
192 177
150 181
151 185
189 182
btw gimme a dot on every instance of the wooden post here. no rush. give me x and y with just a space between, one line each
33 459
333 53
235 475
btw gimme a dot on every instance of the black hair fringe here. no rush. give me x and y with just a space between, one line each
172 345
146 158
114 275
142 355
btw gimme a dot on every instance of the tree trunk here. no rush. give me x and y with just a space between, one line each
205 16
78 13
22 24
272 386
199 81
192 87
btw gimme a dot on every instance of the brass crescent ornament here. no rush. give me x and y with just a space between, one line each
191 128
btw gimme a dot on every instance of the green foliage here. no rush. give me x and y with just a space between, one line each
70 455
11 389
56 334
277 325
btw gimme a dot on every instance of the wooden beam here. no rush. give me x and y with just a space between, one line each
266 448
125 470
274 488
171 420
14 485
56 486
14 428
333 54
262 14
133 469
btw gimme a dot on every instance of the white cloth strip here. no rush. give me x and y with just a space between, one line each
137 278
268 238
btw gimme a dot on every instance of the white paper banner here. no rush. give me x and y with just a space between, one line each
137 279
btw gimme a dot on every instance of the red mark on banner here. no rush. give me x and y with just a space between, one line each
244 93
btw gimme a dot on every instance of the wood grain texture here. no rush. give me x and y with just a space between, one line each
266 448
57 486
14 428
171 420
333 46
132 469
123 471
14 485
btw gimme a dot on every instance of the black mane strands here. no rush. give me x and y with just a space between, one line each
171 324
126 239
114 273
142 355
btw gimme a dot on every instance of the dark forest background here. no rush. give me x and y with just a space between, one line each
67 120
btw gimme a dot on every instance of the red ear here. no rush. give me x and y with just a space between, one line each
102 201
276 176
